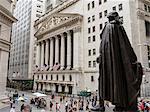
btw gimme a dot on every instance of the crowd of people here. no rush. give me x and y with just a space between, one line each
144 106
69 104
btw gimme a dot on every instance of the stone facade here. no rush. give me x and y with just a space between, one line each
6 20
84 20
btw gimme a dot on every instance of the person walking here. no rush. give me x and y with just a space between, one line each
66 106
13 109
22 107
51 105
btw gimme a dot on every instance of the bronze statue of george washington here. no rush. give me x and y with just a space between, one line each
120 74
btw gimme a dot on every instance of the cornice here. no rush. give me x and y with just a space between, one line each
58 72
145 1
7 14
142 14
4 45
55 82
57 9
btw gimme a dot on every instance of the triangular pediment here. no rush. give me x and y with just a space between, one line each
55 21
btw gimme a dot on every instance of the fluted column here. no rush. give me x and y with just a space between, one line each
56 49
38 55
62 52
51 52
68 50
46 52
42 54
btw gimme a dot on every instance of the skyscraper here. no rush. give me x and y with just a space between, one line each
21 53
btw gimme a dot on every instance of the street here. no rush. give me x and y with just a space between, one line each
48 98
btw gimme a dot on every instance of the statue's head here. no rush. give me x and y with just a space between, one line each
113 16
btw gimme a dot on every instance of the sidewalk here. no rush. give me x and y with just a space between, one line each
2 105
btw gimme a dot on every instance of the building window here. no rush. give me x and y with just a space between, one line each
88 6
94 63
92 78
57 77
114 8
145 7
94 38
51 77
89 63
93 5
105 13
148 49
38 77
63 78
93 18
94 51
100 15
147 27
89 52
89 30
148 8
105 1
89 39
120 7
100 2
70 77
100 26
89 19
93 28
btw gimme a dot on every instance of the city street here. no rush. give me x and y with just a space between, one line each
48 98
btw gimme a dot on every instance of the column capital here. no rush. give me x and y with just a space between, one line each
77 29
61 34
51 38
46 40
42 42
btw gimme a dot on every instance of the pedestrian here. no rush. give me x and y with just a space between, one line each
13 109
87 105
11 103
66 106
43 110
57 107
22 107
51 105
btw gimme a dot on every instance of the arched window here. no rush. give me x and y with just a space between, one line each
70 78
63 77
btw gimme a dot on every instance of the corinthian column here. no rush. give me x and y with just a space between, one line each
42 54
46 52
38 55
62 52
68 50
51 52
56 49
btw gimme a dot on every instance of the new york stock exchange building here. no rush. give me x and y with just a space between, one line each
61 52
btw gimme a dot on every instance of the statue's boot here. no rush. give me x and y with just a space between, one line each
98 108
